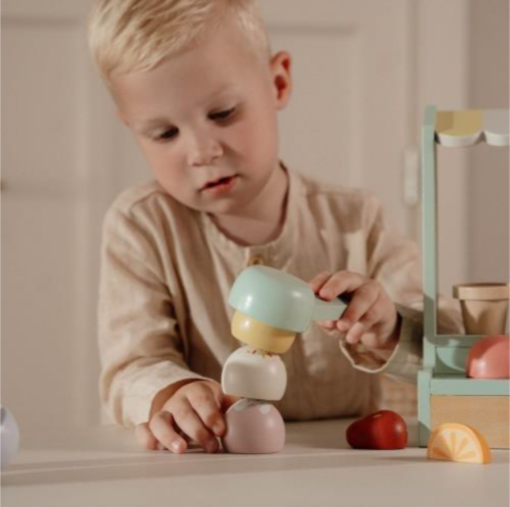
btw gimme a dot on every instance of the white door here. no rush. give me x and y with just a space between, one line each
66 156
56 148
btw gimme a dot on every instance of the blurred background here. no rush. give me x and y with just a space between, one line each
364 71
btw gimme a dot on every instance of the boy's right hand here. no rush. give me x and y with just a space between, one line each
194 412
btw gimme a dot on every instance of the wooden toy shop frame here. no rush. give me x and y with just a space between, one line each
443 373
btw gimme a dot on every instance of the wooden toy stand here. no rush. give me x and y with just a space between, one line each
445 394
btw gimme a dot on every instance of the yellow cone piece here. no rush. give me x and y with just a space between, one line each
259 335
459 128
458 442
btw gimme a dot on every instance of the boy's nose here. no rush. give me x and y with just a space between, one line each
204 151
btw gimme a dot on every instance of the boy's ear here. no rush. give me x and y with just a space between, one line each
280 66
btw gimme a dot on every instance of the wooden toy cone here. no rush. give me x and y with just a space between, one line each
484 307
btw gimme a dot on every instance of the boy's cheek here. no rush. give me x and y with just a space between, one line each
164 166
262 141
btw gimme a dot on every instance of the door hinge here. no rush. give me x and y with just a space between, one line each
411 176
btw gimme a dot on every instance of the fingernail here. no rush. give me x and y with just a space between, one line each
211 446
218 429
176 446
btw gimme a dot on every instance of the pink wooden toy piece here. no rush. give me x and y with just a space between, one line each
254 427
490 358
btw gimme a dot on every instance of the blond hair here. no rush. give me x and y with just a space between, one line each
136 35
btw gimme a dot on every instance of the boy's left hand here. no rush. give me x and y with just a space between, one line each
370 318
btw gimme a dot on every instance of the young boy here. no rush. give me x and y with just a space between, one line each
196 83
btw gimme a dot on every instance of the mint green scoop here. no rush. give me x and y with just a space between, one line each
280 300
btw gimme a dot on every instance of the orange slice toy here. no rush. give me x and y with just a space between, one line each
458 442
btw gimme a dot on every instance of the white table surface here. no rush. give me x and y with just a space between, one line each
105 467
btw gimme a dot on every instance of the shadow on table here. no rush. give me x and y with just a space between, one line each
324 448
163 464
330 434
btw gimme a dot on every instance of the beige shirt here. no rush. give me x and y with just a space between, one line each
165 278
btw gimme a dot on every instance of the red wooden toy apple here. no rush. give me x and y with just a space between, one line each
381 430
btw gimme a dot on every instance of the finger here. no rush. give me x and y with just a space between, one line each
317 282
162 427
327 324
381 322
190 422
365 299
340 283
145 436
227 401
366 322
375 314
355 333
207 405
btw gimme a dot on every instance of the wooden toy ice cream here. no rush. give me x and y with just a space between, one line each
271 307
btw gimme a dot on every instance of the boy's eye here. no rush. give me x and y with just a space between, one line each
222 115
168 134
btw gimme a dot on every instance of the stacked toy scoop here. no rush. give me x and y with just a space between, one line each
271 307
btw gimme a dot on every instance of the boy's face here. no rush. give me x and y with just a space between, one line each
206 120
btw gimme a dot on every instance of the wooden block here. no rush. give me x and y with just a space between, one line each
488 414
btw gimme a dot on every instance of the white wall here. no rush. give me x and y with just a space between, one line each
488 190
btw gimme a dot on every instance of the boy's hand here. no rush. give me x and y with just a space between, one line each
194 412
371 316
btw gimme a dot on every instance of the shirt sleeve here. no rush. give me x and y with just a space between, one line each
395 263
139 342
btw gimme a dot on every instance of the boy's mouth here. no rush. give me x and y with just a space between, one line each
219 183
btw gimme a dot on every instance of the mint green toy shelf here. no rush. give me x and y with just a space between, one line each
444 356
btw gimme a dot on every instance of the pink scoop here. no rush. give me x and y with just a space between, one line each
489 358
253 427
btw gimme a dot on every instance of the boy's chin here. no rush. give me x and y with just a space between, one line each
214 207
222 207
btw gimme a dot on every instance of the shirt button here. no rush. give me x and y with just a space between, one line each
257 260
